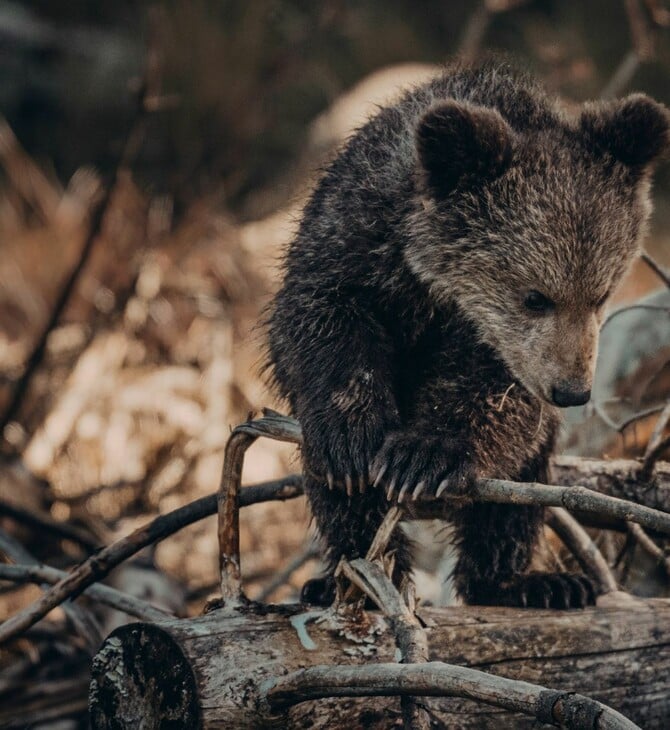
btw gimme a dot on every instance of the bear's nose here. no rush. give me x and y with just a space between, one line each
565 397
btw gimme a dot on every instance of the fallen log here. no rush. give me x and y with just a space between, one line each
616 477
229 668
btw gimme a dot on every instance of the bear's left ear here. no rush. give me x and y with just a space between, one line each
634 130
457 140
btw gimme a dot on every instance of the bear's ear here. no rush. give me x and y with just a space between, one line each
634 130
457 139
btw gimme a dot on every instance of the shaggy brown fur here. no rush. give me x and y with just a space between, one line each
443 295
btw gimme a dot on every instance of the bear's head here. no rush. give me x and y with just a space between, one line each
529 228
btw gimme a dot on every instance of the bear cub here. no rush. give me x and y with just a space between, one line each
441 302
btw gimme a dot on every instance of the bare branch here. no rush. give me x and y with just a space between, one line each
410 635
46 523
478 24
655 443
378 545
574 499
309 552
383 535
653 455
474 33
622 76
632 307
14 550
437 679
275 426
639 416
643 35
101 593
641 29
656 268
83 623
649 546
579 542
99 565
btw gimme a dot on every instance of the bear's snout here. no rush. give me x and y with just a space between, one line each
565 396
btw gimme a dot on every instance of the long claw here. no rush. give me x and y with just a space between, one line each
442 488
391 489
403 491
331 481
380 474
349 485
418 489
362 484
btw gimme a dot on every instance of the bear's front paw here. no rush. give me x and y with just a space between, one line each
550 590
339 450
409 466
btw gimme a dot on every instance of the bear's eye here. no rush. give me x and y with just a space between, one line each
537 302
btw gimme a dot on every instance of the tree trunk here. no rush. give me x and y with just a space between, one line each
210 671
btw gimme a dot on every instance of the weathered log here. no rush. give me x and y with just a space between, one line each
217 670
617 478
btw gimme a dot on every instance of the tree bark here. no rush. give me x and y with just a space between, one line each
617 478
214 671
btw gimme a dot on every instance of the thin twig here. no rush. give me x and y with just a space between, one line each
99 565
641 29
603 415
410 635
384 533
82 621
656 268
622 76
656 452
621 426
272 425
633 307
101 593
44 522
639 416
309 552
14 550
642 36
579 542
649 546
437 679
62 300
652 452
378 545
126 157
474 33
478 24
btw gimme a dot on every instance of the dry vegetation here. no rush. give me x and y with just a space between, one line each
155 356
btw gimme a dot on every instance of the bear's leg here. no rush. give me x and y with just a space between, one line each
347 526
496 543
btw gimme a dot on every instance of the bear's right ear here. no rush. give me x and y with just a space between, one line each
457 140
634 130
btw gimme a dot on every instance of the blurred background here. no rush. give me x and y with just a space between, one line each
154 157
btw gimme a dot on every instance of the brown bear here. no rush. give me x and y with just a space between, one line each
441 302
